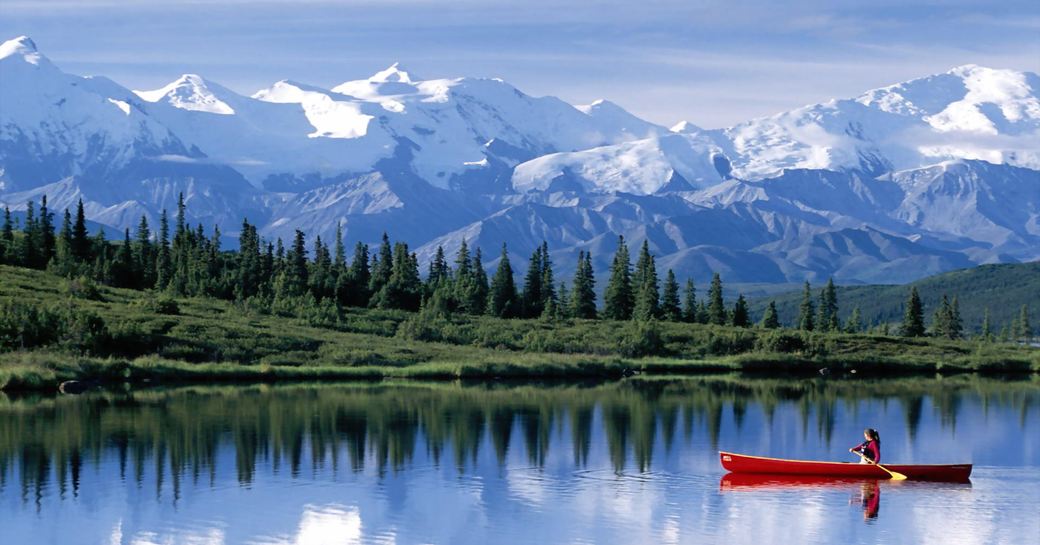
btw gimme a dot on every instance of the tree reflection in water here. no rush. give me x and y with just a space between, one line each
177 433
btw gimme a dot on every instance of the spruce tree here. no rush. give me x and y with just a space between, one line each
1025 328
583 300
956 324
987 328
716 305
642 269
741 317
145 264
80 244
670 310
339 260
828 309
124 273
353 290
548 285
913 316
462 280
502 297
321 281
249 262
297 275
806 311
618 298
564 301
703 316
163 264
47 241
771 319
477 294
647 295
942 320
102 269
439 271
404 289
382 266
855 321
531 299
689 310
64 263
29 253
462 263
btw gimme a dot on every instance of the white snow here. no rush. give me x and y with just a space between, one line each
331 117
121 104
640 167
189 92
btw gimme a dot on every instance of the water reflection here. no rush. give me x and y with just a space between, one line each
632 461
868 492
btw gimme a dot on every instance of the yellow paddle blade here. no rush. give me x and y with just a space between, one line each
896 476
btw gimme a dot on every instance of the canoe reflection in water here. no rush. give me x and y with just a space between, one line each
866 492
869 490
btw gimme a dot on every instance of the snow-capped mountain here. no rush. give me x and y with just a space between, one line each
902 181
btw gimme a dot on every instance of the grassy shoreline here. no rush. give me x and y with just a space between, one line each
207 340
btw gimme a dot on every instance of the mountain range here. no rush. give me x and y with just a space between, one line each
901 182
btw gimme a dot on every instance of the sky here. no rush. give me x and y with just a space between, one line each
711 63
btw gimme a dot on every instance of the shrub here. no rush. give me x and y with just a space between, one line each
159 304
422 327
81 287
781 340
81 330
129 338
324 314
641 338
24 325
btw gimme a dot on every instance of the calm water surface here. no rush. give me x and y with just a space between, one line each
634 462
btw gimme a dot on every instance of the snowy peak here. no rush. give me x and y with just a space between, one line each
22 48
967 98
191 92
21 45
395 73
685 127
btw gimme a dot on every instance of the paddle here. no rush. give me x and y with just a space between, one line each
896 476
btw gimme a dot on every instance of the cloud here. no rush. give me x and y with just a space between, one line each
183 159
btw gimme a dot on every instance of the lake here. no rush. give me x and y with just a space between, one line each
623 462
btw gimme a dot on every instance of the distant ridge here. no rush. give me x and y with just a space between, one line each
1001 288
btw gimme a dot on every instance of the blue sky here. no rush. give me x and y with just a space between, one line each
713 63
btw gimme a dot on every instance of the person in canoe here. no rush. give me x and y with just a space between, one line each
870 449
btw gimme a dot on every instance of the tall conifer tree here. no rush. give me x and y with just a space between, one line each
806 320
716 305
618 299
502 298
913 316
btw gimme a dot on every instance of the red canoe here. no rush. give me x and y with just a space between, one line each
742 463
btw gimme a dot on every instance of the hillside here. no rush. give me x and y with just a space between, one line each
53 329
1003 289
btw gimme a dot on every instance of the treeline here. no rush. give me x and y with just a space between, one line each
188 261
269 276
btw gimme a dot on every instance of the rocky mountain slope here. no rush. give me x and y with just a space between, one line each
901 182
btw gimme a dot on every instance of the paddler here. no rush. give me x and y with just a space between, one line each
870 449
